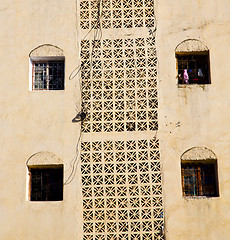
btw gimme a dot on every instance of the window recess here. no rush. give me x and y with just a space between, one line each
48 75
199 178
193 68
46 183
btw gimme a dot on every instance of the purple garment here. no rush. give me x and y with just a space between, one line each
186 77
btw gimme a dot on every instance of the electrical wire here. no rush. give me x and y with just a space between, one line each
73 162
97 35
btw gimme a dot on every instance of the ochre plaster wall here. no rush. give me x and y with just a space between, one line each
194 115
37 121
41 121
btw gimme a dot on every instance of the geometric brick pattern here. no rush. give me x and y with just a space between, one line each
116 14
119 85
121 180
122 190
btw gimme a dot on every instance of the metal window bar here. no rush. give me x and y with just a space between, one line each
199 180
48 75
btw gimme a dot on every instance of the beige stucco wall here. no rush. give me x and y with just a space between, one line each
41 121
32 122
192 116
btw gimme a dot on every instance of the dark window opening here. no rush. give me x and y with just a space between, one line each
199 179
46 184
48 75
193 68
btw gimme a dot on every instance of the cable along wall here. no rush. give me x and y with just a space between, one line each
121 174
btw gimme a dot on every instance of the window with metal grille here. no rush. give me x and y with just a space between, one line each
48 75
193 68
46 183
199 179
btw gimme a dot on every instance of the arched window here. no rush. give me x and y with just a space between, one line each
47 69
199 172
45 177
193 62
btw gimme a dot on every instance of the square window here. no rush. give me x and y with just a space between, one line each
48 74
46 183
199 179
193 68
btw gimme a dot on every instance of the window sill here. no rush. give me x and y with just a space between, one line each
46 91
44 204
194 85
199 197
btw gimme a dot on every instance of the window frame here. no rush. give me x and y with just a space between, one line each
47 60
200 186
59 168
206 80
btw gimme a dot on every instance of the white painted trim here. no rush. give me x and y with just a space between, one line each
30 75
32 59
27 184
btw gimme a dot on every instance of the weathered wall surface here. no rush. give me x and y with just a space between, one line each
194 115
32 122
38 121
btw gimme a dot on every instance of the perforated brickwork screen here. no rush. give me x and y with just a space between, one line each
121 179
119 88
122 192
116 14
